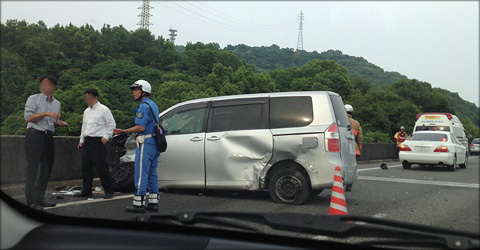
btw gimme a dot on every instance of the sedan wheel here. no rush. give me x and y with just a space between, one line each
452 167
464 165
406 165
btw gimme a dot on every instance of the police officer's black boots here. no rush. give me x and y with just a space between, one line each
138 205
135 209
152 203
152 207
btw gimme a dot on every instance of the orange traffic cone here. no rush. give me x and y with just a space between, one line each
338 205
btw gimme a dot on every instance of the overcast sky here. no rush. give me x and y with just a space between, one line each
436 42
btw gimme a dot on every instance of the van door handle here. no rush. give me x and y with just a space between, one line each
213 138
196 138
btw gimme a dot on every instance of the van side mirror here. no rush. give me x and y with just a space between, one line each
349 127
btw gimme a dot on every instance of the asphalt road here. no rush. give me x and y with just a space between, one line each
430 196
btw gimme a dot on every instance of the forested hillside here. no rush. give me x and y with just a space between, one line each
273 57
112 58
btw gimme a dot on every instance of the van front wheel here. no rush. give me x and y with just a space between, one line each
289 186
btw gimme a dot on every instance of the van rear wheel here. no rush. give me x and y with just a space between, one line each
289 186
122 177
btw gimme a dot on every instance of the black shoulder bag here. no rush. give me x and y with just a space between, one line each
159 133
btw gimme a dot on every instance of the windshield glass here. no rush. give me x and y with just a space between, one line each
433 128
428 137
476 141
111 109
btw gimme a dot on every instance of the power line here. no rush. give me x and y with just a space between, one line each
300 32
222 23
232 19
196 18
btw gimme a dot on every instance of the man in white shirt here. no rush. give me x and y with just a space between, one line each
97 128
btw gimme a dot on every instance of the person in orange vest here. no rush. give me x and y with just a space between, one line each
400 136
357 130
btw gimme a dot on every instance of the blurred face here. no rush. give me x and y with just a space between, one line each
90 99
137 93
403 130
47 87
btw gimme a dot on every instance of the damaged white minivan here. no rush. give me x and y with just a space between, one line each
286 143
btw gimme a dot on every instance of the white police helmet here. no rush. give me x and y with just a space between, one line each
142 84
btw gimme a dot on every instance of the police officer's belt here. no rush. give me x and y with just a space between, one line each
140 139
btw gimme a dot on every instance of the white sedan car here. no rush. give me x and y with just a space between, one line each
433 148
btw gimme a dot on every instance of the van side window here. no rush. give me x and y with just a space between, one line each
184 122
239 117
287 112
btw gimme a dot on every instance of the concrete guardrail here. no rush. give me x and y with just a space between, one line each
68 159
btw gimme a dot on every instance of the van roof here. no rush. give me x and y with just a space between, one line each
298 93
258 95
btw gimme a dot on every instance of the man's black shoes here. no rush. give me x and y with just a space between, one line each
36 206
44 203
108 196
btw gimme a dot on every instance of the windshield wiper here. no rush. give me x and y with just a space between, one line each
393 232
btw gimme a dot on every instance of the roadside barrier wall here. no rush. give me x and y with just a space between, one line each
68 159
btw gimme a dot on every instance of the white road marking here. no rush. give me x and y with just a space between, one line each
377 168
380 215
438 183
66 204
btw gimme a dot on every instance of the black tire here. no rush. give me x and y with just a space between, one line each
406 165
315 193
122 177
289 186
422 165
464 165
348 187
452 167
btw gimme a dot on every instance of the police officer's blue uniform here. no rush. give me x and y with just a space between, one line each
146 155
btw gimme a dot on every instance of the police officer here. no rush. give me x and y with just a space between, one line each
147 152
357 130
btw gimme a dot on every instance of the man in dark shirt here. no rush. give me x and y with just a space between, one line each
42 112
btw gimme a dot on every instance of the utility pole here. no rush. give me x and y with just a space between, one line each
145 15
300 31
173 34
